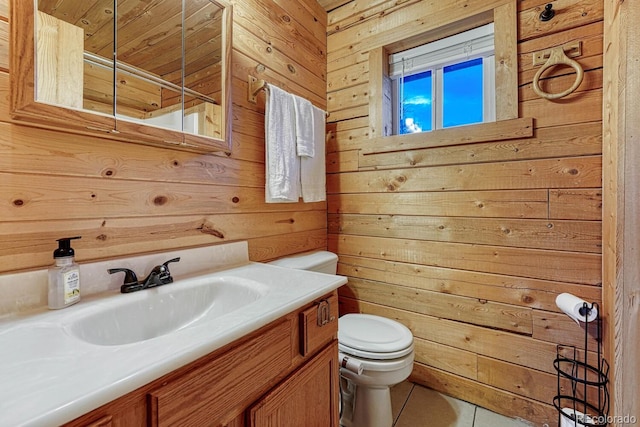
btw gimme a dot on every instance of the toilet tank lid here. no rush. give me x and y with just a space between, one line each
372 333
307 260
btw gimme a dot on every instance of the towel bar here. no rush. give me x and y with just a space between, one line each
255 86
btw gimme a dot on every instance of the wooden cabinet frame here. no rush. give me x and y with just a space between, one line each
25 109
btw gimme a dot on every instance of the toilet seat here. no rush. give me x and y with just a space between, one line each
380 365
373 337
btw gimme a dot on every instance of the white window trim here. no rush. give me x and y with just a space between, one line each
468 45
471 44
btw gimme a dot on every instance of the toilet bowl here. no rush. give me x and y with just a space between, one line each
374 353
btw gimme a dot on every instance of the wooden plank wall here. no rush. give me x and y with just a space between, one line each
125 198
621 226
469 245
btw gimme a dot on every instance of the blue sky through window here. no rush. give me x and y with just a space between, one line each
462 93
462 100
416 108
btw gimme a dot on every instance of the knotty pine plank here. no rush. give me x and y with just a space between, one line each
332 4
592 81
248 140
621 234
308 14
489 204
493 131
575 204
349 76
570 14
358 12
591 57
537 385
30 243
449 359
337 60
350 134
351 97
521 291
23 149
506 48
283 32
442 305
560 328
559 141
569 267
501 345
572 172
384 29
244 65
348 113
277 60
494 399
577 236
85 197
343 161
276 246
582 108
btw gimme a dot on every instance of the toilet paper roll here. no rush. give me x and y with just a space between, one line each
573 307
569 416
351 364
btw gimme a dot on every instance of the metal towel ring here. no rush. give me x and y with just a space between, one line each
557 57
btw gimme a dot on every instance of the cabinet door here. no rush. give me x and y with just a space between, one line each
208 395
309 397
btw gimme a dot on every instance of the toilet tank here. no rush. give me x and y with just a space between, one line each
320 261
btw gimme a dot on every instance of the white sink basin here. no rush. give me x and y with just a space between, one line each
150 313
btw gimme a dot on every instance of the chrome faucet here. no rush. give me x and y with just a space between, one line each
159 275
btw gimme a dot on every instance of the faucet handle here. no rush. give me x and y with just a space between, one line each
131 283
165 273
166 264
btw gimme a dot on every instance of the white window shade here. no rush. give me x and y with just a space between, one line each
475 43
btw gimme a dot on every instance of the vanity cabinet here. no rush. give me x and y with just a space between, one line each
283 374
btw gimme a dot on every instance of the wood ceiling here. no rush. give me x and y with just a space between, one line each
332 4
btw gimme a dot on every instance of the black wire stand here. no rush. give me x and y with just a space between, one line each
585 379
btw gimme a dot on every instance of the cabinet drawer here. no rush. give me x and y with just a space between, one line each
212 391
318 325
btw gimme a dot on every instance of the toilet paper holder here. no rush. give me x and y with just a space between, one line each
574 407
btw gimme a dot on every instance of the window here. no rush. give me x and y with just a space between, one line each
446 83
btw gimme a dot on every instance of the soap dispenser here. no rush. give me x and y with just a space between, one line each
64 276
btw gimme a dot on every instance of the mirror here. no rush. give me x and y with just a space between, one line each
154 72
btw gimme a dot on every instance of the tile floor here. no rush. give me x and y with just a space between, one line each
417 406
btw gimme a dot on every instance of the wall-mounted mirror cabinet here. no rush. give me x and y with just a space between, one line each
154 72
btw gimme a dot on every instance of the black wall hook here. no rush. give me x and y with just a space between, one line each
548 13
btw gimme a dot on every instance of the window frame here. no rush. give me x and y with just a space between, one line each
435 57
504 17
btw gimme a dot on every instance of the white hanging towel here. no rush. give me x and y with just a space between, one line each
313 169
282 164
304 127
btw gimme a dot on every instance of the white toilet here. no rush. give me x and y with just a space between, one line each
375 353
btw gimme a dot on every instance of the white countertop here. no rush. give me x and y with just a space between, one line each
49 377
